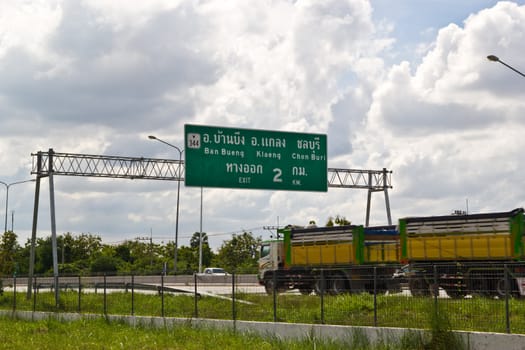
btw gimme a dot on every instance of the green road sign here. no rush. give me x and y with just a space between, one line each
256 159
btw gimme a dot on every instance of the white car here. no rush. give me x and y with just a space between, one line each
214 271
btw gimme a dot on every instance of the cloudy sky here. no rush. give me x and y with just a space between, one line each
403 85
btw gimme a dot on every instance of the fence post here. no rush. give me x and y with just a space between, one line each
234 316
34 294
274 294
196 311
79 292
105 297
162 294
132 294
323 284
14 292
57 292
375 296
435 288
507 292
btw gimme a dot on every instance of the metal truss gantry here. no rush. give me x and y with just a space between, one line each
72 164
89 165
50 163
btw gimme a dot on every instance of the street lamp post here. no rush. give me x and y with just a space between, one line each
7 196
200 239
151 137
496 59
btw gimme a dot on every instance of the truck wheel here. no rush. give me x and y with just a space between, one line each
338 285
418 287
501 291
455 293
318 286
479 286
306 290
268 287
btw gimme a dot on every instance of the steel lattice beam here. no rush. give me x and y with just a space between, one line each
107 166
374 180
173 170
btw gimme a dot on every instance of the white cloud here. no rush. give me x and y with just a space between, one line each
97 77
447 127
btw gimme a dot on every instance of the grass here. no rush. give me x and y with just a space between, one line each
100 334
476 314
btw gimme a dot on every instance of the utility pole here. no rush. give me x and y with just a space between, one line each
150 239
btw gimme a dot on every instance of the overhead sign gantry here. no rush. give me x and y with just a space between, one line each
50 163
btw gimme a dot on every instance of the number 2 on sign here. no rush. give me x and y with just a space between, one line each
277 177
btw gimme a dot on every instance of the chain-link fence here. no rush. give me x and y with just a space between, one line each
475 297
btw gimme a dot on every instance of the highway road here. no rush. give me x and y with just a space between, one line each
148 284
206 285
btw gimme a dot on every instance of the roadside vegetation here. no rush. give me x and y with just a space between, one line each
85 254
476 314
102 334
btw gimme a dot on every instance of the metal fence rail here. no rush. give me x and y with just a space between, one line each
485 298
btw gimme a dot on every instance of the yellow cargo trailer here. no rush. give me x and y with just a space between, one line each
463 254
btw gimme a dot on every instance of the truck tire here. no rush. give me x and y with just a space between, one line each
418 287
455 293
479 285
306 290
338 284
501 291
268 287
318 289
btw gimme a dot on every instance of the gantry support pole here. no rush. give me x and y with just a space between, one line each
54 245
33 231
387 200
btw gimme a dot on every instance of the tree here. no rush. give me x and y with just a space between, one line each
187 260
123 252
144 256
195 239
8 252
207 254
75 252
104 263
240 253
338 220
43 255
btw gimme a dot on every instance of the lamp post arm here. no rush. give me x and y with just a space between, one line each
7 196
167 143
514 69
494 58
6 201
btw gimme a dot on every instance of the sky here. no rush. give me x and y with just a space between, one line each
403 85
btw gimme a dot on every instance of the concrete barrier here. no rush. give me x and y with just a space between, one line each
474 340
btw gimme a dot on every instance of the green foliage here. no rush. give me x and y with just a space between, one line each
8 252
76 250
104 263
239 254
85 253
441 335
338 220
102 334
193 256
